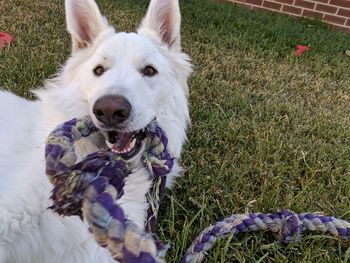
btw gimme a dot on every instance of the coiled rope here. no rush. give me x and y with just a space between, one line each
92 187
286 226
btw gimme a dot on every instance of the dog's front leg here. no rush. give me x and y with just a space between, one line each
134 201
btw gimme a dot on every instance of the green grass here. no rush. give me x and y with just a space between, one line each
269 130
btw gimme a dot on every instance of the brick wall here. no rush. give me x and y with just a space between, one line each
334 12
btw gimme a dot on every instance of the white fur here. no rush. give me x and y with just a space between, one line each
31 233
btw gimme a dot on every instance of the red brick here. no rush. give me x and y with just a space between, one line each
347 22
271 5
321 1
263 9
249 7
342 28
291 10
326 8
312 14
289 2
334 19
258 8
305 4
254 2
344 12
343 3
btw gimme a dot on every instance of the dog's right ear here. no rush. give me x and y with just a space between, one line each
84 22
163 19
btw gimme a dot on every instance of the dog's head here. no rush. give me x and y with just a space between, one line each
126 80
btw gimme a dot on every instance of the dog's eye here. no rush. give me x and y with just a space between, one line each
99 70
149 71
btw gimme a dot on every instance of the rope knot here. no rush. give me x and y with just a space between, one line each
92 187
291 227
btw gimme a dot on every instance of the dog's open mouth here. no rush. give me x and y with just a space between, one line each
126 144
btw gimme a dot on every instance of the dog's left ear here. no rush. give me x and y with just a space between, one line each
163 21
84 22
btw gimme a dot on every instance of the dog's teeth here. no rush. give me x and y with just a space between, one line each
110 145
122 151
132 144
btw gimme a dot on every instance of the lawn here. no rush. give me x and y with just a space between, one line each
269 130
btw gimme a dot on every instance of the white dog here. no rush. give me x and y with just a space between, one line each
124 81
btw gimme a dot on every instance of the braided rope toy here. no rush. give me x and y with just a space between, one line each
285 225
92 187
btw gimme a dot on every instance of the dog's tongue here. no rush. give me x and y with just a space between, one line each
124 139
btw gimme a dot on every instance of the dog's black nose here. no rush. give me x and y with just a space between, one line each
112 110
